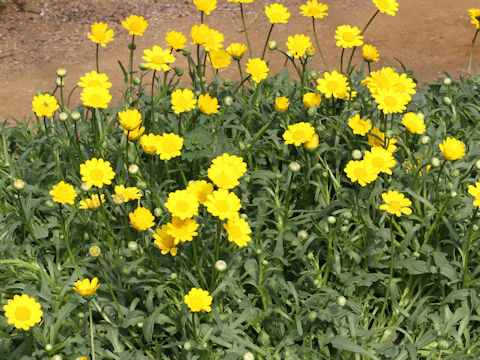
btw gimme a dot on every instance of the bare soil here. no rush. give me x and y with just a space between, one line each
39 36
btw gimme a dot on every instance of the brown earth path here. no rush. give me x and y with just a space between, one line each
429 36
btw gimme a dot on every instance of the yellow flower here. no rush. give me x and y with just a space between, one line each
96 97
169 146
183 100
135 134
198 299
389 7
377 138
298 45
127 193
85 287
298 133
383 79
182 230
63 193
176 40
136 25
370 53
23 312
360 126
413 123
214 41
100 34
219 58
333 84
380 159
182 204
91 203
452 149
281 103
238 231
236 50
149 143
130 119
158 59
97 172
277 13
390 101
44 105
404 86
348 36
206 6
360 171
165 242
474 15
226 170
200 34
258 69
311 99
201 189
207 104
312 143
94 79
223 204
475 192
314 9
396 203
141 219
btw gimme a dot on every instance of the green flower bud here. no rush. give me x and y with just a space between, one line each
63 116
314 74
19 184
294 167
425 139
187 52
341 301
136 80
435 162
157 212
312 315
477 164
227 82
331 220
389 134
221 265
447 81
310 256
357 154
75 115
187 346
132 46
228 101
447 101
48 347
302 235
344 229
61 72
143 66
312 111
142 185
475 227
455 173
272 45
132 246
59 82
178 70
173 276
140 324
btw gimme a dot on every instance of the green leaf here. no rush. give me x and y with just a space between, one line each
341 343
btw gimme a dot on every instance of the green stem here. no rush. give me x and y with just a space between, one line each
52 149
185 182
151 99
467 250
65 238
96 59
112 294
245 30
365 29
266 42
260 133
341 61
318 45
471 51
92 331
28 222
392 257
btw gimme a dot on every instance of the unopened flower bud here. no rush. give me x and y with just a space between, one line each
314 74
341 301
157 212
221 265
85 187
142 185
76 115
302 235
227 82
94 251
475 227
416 254
48 347
331 220
203 79
312 315
435 162
228 101
248 356
265 262
61 72
57 357
294 167
310 51
477 164
132 246
312 111
187 346
258 251
178 70
455 173
447 101
310 256
244 216
187 52
143 66
63 116
425 139
133 169
344 229
132 46
173 276
19 184
118 199
447 81
136 80
347 214
59 82
272 45
453 194
421 115
140 324
357 154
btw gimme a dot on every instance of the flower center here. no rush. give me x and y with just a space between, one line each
158 59
100 36
390 101
169 147
383 4
181 206
349 37
235 231
332 86
94 82
360 173
298 135
96 174
96 99
222 205
395 205
23 313
196 302
378 162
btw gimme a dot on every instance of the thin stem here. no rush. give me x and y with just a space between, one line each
260 133
96 59
65 238
151 98
28 222
266 42
245 30
471 51
341 61
392 257
318 44
185 182
92 331
365 29
52 149
467 250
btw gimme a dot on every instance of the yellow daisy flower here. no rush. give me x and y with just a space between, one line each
169 146
311 99
383 79
130 119
376 138
182 204
348 36
360 126
176 40
277 13
198 299
23 312
452 149
141 219
165 242
236 50
182 230
158 59
298 133
207 6
85 287
258 69
389 7
96 97
404 85
474 15
333 84
135 134
207 104
97 172
63 193
201 189
183 100
390 101
238 231
91 203
223 204
312 143
127 193
314 9
44 105
361 172
149 143
380 159
475 192
370 53
200 34
219 58
226 170
396 203
298 44
94 79
214 40
281 104
100 34
136 25
413 123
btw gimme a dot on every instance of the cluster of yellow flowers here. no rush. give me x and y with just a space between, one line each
301 133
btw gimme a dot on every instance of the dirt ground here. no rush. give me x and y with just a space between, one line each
39 36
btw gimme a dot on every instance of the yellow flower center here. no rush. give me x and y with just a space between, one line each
235 231
333 85
383 4
94 82
96 174
169 147
378 162
222 205
134 26
95 99
394 205
158 59
196 302
23 313
390 101
298 134
181 206
360 173
100 36
349 37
